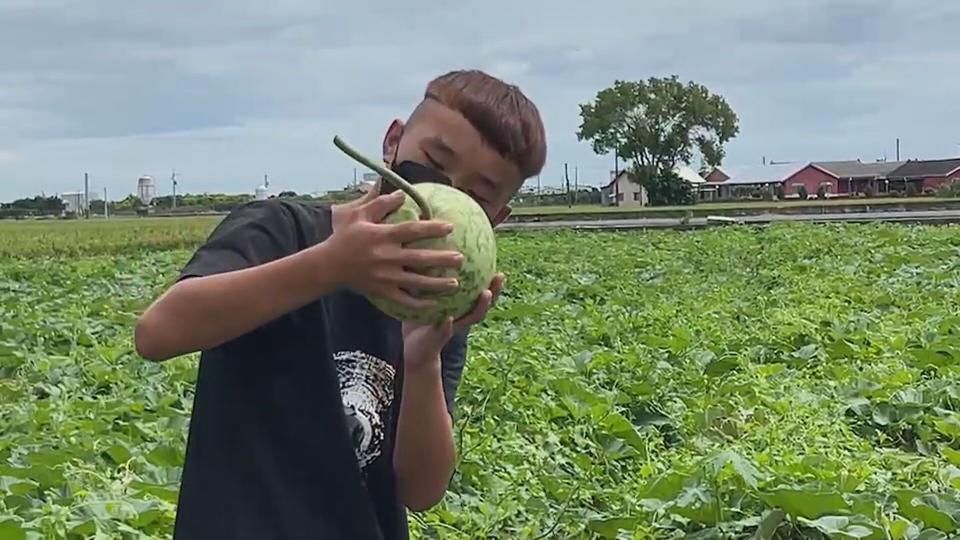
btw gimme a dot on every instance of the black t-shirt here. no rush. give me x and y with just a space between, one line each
292 430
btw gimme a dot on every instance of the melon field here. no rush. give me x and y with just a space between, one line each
796 381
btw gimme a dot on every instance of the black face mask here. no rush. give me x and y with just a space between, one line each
414 173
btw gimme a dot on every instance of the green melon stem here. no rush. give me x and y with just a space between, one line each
392 177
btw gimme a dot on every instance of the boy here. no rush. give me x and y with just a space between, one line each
316 415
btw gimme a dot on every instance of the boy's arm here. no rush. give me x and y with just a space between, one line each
425 453
250 272
205 312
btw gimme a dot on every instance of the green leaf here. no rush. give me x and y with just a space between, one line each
165 456
772 519
711 533
929 509
611 527
11 530
165 493
119 454
925 358
697 504
806 503
839 527
721 366
85 528
808 352
743 468
951 455
901 529
619 426
17 486
949 426
664 487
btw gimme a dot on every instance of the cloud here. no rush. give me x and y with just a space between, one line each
225 91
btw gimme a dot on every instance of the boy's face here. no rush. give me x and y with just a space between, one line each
442 139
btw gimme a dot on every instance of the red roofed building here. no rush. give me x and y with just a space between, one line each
844 177
928 174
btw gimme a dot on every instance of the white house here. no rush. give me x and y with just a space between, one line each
621 191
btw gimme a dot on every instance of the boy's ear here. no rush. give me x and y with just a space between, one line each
391 140
502 215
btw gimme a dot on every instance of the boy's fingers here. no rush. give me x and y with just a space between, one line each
410 231
425 258
479 311
406 299
379 207
362 200
496 287
414 281
371 194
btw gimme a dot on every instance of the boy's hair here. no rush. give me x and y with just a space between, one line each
504 116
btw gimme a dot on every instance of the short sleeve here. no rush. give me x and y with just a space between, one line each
254 234
452 359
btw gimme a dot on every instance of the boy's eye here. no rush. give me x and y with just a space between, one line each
433 162
479 199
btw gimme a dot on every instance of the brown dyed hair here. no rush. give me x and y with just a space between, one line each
504 116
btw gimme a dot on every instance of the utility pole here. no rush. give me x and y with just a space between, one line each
106 205
173 180
86 195
266 181
898 148
566 176
576 183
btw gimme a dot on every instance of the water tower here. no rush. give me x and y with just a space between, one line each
146 189
263 191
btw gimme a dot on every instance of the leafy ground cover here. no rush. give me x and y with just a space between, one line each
795 381
733 205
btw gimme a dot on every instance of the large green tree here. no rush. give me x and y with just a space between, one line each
657 124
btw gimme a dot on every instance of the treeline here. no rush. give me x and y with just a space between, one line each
53 206
584 195
43 206
34 206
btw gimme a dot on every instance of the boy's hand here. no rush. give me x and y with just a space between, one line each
422 343
371 257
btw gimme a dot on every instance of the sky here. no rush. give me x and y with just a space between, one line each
225 91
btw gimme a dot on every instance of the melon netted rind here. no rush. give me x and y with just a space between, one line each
472 236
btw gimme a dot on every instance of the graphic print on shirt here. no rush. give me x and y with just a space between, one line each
366 388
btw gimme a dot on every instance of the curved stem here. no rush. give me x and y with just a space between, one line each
390 176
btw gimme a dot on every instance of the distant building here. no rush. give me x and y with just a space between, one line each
73 202
841 178
146 189
731 182
928 174
622 191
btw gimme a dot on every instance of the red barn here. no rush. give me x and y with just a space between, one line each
750 181
716 176
845 177
810 177
929 174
